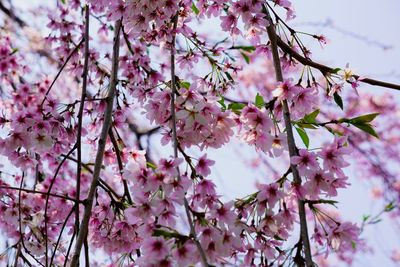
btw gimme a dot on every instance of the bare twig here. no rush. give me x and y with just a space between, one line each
38 192
61 231
101 147
80 117
46 206
12 15
120 165
76 48
193 235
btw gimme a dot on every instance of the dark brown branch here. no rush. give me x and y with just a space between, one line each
12 15
120 165
39 192
46 206
326 69
80 116
101 148
193 235
291 142
76 48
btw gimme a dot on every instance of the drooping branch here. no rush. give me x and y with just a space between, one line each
80 116
76 48
120 165
101 148
291 142
38 192
193 234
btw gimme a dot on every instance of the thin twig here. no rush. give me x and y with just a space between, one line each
12 15
61 231
120 165
46 206
38 192
80 117
103 184
61 69
193 235
20 218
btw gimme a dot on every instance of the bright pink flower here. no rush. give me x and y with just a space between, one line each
156 248
305 161
318 181
285 90
186 254
344 236
333 155
169 166
205 187
203 165
269 193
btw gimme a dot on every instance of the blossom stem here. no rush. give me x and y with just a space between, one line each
101 148
291 142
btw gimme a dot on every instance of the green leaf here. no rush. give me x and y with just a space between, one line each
364 118
366 128
15 50
195 9
303 135
236 107
184 84
229 76
334 132
328 201
168 235
338 100
246 58
306 125
245 48
389 207
366 217
277 237
259 101
336 70
63 1
151 165
222 102
310 118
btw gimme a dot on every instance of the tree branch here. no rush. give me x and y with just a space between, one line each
193 234
120 165
291 142
80 117
326 69
101 147
12 15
